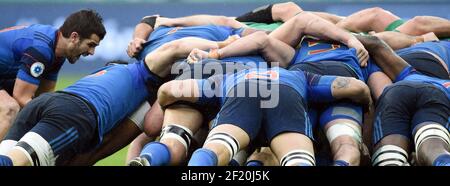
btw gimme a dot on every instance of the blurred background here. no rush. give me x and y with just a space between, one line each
120 17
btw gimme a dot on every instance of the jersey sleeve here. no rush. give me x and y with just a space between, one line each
52 74
34 62
319 87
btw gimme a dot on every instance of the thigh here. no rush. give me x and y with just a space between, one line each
432 106
394 111
241 111
289 116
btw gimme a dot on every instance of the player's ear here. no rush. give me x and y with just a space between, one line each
74 37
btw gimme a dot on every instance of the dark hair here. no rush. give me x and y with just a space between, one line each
85 23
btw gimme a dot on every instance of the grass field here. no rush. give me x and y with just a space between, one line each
117 159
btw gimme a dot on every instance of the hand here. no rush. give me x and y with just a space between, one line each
361 52
196 55
135 46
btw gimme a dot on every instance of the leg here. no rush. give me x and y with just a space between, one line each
432 141
391 132
223 142
293 149
430 127
292 142
329 17
342 125
175 138
263 157
136 146
271 13
420 25
397 40
237 123
285 11
371 19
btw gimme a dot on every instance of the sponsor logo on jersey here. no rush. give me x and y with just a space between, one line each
37 69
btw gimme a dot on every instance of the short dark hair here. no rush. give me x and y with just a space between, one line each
85 23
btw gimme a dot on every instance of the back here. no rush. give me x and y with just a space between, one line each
440 48
115 91
166 34
314 50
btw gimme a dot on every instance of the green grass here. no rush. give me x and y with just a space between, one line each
118 158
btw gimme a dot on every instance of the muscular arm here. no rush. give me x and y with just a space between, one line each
384 56
46 86
397 40
140 35
23 91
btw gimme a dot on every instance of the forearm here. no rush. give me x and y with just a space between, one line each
383 56
142 31
397 40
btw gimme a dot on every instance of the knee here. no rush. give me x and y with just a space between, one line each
289 7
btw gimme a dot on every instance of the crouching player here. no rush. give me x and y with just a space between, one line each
55 127
416 108
229 136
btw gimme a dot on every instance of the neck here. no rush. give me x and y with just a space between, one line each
61 45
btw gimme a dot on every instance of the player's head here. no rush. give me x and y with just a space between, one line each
84 29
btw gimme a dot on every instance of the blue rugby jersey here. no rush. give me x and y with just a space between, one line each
28 53
115 91
165 34
440 48
410 74
312 49
311 87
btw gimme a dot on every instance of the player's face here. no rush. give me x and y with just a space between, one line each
83 47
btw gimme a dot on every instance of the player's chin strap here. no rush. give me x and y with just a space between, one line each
390 155
429 131
37 150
